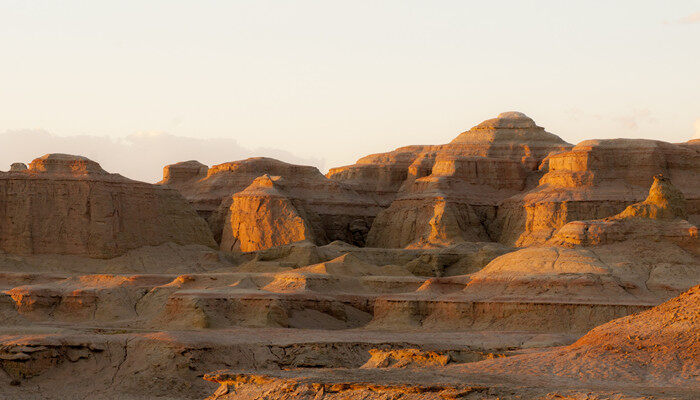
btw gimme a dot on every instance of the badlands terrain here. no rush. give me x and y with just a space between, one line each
506 264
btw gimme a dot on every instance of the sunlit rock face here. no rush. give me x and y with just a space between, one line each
660 217
445 194
266 215
597 179
660 346
206 187
647 251
340 212
64 204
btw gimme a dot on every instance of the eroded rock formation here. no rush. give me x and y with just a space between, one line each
340 212
264 215
450 193
434 308
597 179
63 204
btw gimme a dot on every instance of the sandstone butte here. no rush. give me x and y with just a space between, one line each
63 204
506 264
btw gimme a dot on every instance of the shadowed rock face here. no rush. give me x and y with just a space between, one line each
15 167
65 204
183 173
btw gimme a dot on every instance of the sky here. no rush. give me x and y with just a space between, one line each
136 85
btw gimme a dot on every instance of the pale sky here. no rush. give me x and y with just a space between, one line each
137 84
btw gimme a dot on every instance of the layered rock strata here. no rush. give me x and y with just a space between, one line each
597 179
450 192
63 204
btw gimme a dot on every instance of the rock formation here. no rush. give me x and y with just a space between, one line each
264 215
660 346
342 214
597 179
66 204
660 217
646 251
450 193
391 278
15 167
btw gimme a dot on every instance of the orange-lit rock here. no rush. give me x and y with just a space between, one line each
451 192
264 215
660 217
343 214
660 346
597 179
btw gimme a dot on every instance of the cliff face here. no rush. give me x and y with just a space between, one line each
64 204
505 180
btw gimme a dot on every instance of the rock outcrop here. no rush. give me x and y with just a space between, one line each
340 212
15 167
450 192
380 176
660 217
646 251
597 179
264 215
65 204
660 346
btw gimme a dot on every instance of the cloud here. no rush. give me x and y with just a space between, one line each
688 19
140 156
634 119
631 120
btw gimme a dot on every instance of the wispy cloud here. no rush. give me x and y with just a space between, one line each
693 18
631 120
635 118
140 156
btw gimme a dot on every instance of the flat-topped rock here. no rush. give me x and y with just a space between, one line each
183 172
65 164
65 204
